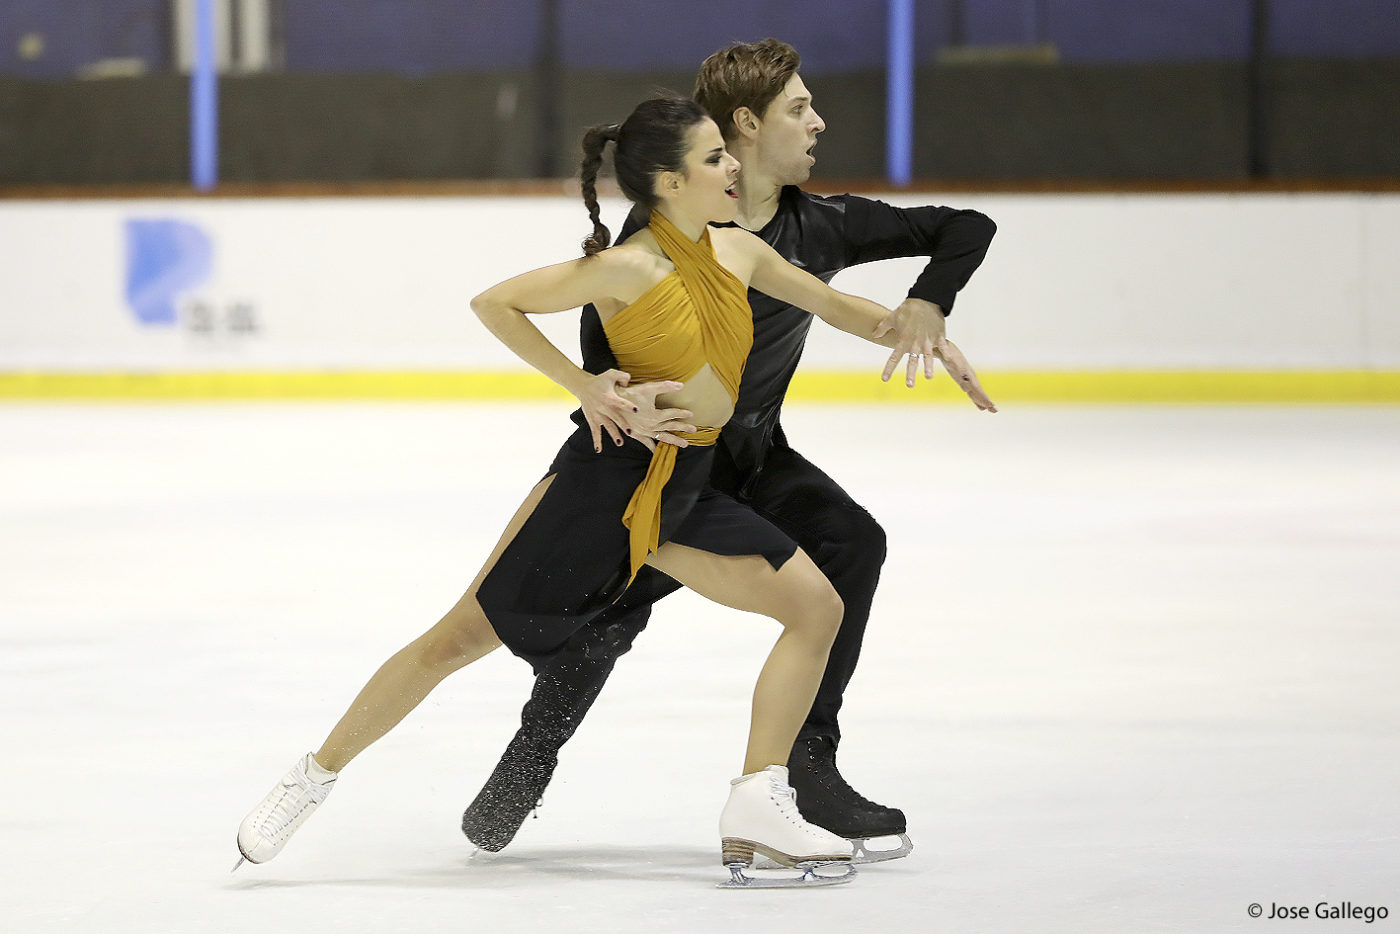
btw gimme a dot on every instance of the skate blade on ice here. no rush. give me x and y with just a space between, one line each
739 854
811 874
862 856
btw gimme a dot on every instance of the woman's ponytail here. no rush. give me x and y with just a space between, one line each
593 143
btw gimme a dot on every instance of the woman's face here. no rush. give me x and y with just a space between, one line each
707 187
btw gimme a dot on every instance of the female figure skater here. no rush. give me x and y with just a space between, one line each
673 304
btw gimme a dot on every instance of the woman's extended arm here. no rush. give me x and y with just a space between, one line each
775 276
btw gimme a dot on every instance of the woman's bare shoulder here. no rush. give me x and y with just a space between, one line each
737 237
634 267
630 255
629 264
738 250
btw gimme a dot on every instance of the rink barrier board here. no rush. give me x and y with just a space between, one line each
832 386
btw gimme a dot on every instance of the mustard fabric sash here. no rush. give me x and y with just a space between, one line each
698 315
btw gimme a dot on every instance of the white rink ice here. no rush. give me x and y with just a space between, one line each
1130 669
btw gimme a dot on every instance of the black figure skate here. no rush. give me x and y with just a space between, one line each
825 799
515 788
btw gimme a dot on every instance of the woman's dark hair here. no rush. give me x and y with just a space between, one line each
651 141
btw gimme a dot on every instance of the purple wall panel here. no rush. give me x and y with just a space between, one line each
832 35
410 36
1335 28
1149 30
79 32
1004 22
421 36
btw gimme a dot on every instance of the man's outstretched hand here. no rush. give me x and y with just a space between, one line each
919 330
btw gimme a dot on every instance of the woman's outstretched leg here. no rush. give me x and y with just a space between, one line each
462 636
761 813
459 638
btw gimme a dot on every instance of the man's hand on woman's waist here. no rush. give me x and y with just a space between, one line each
611 404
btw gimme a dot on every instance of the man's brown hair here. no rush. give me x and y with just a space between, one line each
747 74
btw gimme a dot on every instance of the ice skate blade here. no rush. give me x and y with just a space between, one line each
863 855
811 876
242 858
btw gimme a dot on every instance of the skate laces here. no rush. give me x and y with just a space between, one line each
293 800
824 757
786 797
845 788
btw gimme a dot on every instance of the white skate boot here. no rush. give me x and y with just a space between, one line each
761 817
269 826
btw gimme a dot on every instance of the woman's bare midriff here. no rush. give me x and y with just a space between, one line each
705 396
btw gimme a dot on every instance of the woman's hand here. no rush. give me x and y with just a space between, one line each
957 366
610 403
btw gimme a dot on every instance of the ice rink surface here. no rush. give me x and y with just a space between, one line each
1129 669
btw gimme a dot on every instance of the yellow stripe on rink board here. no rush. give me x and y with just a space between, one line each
387 384
1085 386
1116 386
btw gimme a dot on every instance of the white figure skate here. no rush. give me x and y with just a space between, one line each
268 827
761 817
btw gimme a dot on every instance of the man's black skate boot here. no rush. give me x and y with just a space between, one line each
827 800
558 702
514 789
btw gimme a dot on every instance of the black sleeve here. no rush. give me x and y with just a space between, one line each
954 241
593 342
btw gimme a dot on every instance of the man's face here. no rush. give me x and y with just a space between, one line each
787 132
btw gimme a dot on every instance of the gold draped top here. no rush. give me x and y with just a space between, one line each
696 315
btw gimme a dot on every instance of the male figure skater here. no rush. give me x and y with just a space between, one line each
765 113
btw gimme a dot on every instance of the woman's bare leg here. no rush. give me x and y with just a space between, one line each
461 637
797 595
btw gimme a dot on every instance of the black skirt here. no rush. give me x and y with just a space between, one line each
569 561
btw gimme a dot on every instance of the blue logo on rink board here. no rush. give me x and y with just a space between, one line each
164 258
